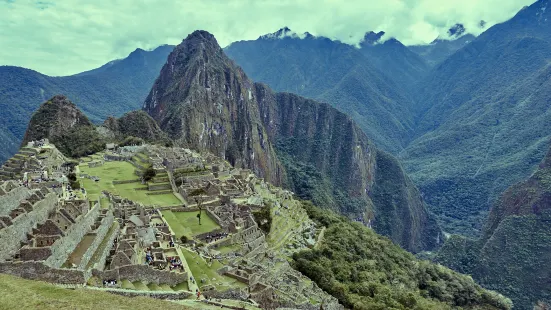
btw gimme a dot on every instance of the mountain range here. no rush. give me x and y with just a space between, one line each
113 89
468 117
515 248
199 87
456 110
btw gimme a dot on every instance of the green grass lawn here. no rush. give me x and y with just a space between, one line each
17 293
120 171
201 270
186 223
228 249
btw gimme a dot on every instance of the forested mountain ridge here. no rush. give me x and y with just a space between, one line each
515 249
483 119
395 60
113 89
204 101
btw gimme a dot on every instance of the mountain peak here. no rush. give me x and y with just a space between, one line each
456 30
60 121
372 38
201 35
283 33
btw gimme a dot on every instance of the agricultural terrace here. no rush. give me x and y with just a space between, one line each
187 224
206 271
122 171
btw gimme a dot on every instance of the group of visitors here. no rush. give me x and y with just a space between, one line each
109 282
215 237
175 263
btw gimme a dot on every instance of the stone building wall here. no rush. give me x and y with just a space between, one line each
161 186
100 265
63 247
101 231
11 200
39 271
143 273
215 217
151 294
34 254
12 236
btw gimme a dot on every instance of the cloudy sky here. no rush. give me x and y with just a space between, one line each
69 36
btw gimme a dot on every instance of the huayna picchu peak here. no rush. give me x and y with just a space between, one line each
205 102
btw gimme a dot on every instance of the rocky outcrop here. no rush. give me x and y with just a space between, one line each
135 124
61 122
54 117
204 101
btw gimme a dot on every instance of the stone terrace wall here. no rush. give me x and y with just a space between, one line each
11 200
102 230
142 273
39 271
100 265
151 294
63 247
12 236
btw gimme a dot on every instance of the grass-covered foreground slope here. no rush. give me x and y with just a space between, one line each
17 293
514 254
366 271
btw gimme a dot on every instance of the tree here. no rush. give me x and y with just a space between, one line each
148 174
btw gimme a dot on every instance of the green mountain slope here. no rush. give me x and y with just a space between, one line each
440 49
484 119
366 271
204 101
113 89
514 252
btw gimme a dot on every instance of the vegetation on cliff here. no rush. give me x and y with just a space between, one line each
513 254
61 122
366 271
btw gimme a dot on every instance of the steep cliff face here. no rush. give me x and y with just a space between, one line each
204 101
514 252
60 121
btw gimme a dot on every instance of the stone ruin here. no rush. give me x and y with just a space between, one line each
46 237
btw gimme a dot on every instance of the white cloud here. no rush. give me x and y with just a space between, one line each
70 36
